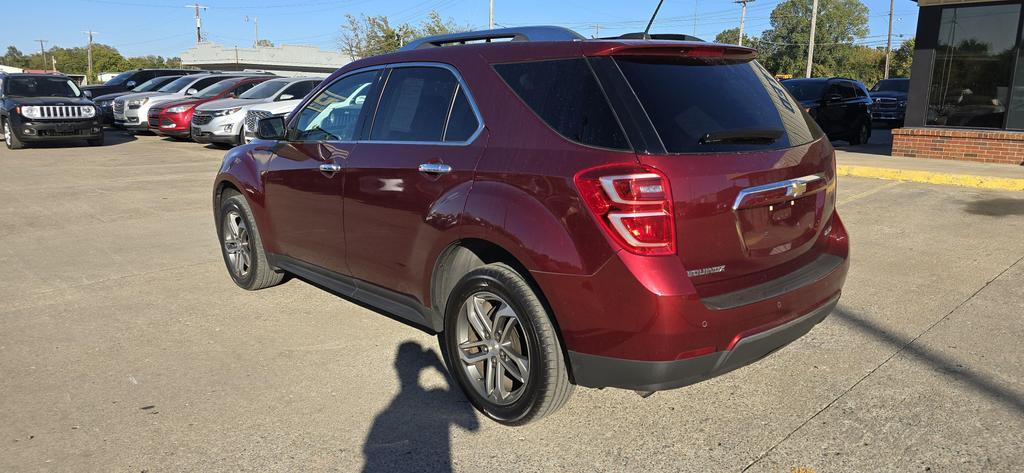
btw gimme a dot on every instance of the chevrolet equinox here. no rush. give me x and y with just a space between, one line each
560 211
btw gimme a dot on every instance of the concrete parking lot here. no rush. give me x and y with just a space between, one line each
124 346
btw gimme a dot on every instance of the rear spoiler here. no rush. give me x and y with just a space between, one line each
683 49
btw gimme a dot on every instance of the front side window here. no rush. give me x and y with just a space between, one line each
334 113
297 90
414 105
973 62
42 86
566 95
202 84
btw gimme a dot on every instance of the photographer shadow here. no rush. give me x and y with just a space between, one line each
414 432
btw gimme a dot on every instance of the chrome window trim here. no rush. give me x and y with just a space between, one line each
388 67
791 186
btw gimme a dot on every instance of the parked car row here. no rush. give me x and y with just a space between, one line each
204 106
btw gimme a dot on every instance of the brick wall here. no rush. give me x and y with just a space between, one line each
1005 147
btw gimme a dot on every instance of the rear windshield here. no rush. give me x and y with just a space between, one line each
701 105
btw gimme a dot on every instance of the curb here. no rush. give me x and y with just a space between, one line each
928 177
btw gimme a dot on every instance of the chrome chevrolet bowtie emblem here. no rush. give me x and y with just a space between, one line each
797 189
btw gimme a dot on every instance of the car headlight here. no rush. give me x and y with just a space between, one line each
88 112
227 111
30 111
179 109
903 104
138 101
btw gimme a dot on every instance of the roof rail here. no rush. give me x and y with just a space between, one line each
525 33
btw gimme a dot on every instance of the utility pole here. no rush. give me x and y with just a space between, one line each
743 16
42 51
199 21
88 76
810 44
888 44
256 23
490 21
695 17
597 31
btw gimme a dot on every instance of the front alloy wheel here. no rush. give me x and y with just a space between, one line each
237 244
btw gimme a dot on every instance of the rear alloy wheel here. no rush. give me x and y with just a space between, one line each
242 247
10 139
502 348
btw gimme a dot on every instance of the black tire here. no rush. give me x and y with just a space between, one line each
11 140
547 388
257 273
97 141
862 134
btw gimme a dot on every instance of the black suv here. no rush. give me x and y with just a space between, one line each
890 97
842 107
128 80
46 107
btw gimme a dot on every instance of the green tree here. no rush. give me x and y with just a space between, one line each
902 59
367 36
732 36
14 58
840 22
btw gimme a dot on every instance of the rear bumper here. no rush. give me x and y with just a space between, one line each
640 323
599 371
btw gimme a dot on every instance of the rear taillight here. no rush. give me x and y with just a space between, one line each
635 208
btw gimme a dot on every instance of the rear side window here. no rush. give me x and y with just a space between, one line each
299 90
414 105
565 94
700 105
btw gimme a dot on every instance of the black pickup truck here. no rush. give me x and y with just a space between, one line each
46 107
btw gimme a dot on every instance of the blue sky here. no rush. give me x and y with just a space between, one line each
166 27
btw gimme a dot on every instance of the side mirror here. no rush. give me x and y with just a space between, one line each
192 91
270 128
130 84
284 97
87 94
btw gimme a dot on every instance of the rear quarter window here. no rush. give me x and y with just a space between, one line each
565 94
700 105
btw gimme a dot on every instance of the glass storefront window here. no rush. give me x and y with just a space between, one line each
1016 119
973 65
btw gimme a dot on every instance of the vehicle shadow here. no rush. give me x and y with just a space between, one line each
995 207
957 372
880 143
110 138
413 432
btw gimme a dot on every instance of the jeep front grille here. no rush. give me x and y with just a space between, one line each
63 111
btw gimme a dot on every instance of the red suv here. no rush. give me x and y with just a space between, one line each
559 211
174 119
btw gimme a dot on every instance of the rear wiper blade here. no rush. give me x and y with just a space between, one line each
752 136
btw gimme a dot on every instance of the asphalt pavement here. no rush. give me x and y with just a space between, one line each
124 346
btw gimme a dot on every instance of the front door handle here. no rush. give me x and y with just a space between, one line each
435 168
330 167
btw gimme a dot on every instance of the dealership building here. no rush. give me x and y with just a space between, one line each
966 97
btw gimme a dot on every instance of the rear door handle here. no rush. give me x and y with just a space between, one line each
435 168
330 167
